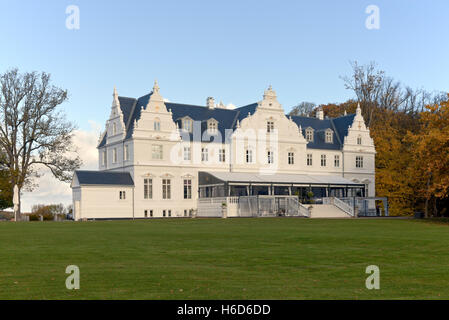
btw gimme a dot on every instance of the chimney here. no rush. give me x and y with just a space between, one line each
320 114
210 103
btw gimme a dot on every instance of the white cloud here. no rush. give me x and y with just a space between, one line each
51 190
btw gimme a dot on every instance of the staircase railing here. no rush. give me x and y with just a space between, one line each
343 206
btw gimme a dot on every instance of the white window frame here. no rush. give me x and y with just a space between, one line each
323 160
122 195
187 154
157 125
359 140
166 189
337 161
309 134
359 161
148 188
204 155
187 124
329 136
291 157
270 126
270 156
157 152
309 159
187 189
222 155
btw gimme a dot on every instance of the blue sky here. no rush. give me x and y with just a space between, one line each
231 50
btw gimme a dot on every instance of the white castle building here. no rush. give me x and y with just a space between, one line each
164 159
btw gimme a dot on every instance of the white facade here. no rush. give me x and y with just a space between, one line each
160 157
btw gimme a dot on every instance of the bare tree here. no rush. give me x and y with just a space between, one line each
304 109
33 132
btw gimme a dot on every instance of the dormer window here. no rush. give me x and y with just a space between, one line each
157 125
309 134
270 126
187 124
359 140
212 125
329 136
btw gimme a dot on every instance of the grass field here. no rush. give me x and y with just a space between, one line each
265 258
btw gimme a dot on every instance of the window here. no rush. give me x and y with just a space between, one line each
221 155
114 155
359 140
309 134
212 125
146 213
151 213
270 126
166 189
157 125
329 136
249 156
270 157
114 128
323 160
187 154
126 152
187 125
166 212
122 195
336 161
204 154
148 188
291 158
187 189
156 153
309 159
104 157
185 212
359 162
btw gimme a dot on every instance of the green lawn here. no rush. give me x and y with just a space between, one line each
265 258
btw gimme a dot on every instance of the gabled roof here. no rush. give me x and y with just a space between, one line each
227 119
86 177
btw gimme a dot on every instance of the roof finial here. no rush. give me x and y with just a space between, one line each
156 86
358 111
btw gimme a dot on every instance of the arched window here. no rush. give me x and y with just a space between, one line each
359 140
157 124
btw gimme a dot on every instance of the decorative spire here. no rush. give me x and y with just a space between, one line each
345 113
115 101
156 87
358 111
238 123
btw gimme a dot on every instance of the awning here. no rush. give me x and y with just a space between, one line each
207 178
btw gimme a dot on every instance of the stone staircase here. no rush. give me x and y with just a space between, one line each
327 211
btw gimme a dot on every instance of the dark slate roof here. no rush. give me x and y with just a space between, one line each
339 126
227 119
104 178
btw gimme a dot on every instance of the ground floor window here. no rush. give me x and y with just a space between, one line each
166 189
146 213
147 188
187 189
166 213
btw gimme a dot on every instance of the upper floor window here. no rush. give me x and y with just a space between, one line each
204 154
187 124
249 156
329 136
270 157
187 154
222 155
166 189
114 155
309 159
359 162
114 128
309 134
156 152
291 158
336 161
212 125
323 160
359 140
126 152
270 126
147 188
122 195
187 189
157 125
